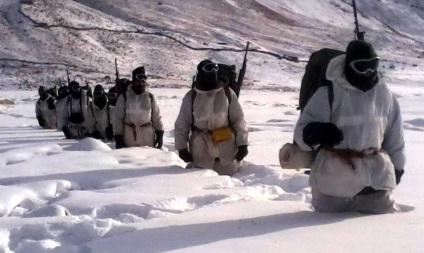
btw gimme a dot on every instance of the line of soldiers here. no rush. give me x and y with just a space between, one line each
210 131
352 128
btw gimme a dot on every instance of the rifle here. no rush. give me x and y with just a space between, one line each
117 71
242 70
359 35
67 75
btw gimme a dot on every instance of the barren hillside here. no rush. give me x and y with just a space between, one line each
41 38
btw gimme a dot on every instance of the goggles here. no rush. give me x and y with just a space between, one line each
64 91
365 66
210 67
75 88
98 93
112 95
140 77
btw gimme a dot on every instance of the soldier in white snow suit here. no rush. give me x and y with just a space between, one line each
213 115
361 156
73 121
137 120
45 109
98 122
61 100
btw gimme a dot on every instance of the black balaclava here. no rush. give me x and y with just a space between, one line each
139 80
206 81
63 92
42 93
112 96
99 95
360 50
75 89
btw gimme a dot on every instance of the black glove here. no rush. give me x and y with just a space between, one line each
159 139
96 134
40 121
109 132
65 130
325 134
185 155
50 104
76 117
398 174
241 153
119 141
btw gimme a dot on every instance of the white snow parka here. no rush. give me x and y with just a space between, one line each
369 120
72 107
211 110
48 116
98 119
137 117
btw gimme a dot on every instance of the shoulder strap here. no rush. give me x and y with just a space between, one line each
125 105
330 91
228 93
91 106
108 113
193 97
151 106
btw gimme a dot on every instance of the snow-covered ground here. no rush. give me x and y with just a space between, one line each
58 195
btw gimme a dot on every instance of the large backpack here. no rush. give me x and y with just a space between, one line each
315 75
228 74
290 155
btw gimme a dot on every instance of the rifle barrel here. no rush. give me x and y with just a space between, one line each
359 34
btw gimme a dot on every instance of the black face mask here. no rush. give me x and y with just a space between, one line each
100 101
358 51
362 82
63 95
76 94
138 88
207 81
44 96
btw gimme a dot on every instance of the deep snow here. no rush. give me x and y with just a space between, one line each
82 196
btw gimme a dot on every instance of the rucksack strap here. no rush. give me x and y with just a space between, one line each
228 93
330 91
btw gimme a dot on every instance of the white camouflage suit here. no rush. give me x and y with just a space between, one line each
137 118
370 119
98 119
211 110
47 115
71 105
60 111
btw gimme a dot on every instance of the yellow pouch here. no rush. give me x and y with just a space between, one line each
221 134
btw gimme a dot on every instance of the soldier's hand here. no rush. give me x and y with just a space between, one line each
119 142
96 134
398 174
185 155
109 132
323 133
66 132
159 139
241 153
51 104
